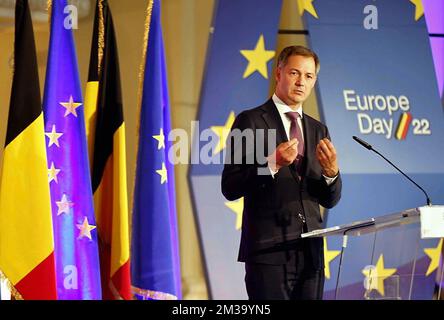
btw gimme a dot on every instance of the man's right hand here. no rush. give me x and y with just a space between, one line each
284 155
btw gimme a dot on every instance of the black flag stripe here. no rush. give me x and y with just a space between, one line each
109 102
25 105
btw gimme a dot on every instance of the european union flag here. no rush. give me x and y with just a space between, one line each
155 264
75 234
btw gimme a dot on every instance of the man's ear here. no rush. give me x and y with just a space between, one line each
278 74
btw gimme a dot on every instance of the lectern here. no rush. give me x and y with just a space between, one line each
368 243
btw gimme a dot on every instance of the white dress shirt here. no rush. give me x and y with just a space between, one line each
282 109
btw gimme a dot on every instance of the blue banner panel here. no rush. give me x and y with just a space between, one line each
377 82
238 69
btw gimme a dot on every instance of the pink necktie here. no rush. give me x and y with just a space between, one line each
295 132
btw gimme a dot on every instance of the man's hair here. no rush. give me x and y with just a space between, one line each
297 51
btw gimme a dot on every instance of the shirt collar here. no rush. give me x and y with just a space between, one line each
283 107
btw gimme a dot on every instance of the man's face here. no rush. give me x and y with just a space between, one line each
295 80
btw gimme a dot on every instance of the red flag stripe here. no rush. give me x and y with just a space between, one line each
40 283
405 129
121 283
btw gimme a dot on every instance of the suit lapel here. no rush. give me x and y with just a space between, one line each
273 120
309 142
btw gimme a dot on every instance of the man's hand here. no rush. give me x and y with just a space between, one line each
284 155
326 154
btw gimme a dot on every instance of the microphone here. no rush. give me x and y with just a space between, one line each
369 147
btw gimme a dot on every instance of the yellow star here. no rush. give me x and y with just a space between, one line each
238 208
52 173
329 255
64 205
161 139
71 106
257 59
53 137
419 9
378 275
434 255
223 132
307 5
85 229
163 174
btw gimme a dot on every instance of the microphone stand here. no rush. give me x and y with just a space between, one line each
369 147
429 203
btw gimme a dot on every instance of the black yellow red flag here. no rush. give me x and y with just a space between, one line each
26 233
106 138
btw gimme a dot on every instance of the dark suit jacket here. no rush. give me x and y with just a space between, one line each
271 224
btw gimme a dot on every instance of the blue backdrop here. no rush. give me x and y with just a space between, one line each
377 82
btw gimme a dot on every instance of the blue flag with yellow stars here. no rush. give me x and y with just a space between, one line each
75 233
238 71
155 264
377 81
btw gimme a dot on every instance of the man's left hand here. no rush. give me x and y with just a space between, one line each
326 154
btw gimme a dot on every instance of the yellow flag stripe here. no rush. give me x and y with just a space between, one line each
120 231
25 211
111 204
401 126
91 95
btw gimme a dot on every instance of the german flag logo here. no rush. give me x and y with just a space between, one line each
403 127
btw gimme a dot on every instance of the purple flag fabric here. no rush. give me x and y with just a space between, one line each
75 233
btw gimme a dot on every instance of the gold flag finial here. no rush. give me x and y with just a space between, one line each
101 44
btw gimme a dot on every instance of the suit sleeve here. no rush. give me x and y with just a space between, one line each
240 174
330 195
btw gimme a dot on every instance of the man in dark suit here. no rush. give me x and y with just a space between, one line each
283 191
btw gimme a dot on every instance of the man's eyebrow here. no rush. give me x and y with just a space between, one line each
307 73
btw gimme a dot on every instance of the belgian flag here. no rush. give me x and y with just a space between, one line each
26 234
106 137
